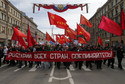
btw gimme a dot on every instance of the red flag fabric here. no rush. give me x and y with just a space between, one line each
100 41
122 20
22 42
71 33
64 38
57 21
61 39
82 41
84 21
14 37
49 38
19 33
29 37
110 26
51 18
18 36
82 31
33 41
57 38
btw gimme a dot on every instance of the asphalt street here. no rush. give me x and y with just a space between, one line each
26 75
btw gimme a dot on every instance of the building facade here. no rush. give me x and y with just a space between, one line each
11 17
112 10
41 36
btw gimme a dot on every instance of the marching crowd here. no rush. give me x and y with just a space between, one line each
118 51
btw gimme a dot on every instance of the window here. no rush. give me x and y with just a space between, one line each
11 10
3 16
14 12
121 6
8 19
112 4
116 1
11 31
105 9
116 10
116 19
2 4
108 7
108 15
3 30
11 21
112 13
16 22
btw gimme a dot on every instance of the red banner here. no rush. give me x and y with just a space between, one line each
60 7
60 56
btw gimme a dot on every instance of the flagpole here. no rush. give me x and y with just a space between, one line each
52 31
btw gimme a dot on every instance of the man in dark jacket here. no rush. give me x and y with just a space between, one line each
120 56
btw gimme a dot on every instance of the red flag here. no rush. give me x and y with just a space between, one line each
122 19
67 40
22 42
82 41
110 26
61 39
82 31
49 38
100 41
51 18
57 38
19 33
30 39
71 33
18 36
84 21
57 20
14 37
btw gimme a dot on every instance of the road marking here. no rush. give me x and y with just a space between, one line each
86 69
3 65
69 76
19 68
33 69
116 65
51 74
72 68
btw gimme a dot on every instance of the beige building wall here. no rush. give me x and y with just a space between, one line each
10 17
41 36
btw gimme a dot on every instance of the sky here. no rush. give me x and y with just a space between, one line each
71 16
